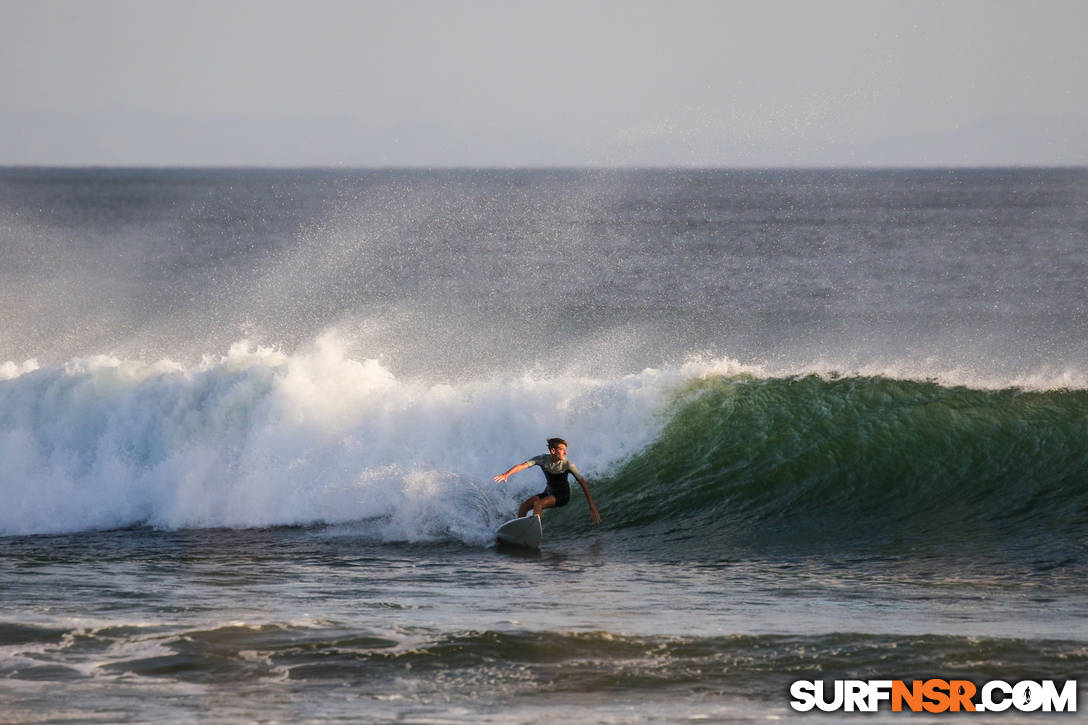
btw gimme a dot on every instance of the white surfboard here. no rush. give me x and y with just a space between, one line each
525 531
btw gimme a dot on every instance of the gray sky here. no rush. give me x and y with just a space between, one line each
329 82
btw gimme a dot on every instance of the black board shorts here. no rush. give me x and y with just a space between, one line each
561 493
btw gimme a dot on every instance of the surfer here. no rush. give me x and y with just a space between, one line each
555 465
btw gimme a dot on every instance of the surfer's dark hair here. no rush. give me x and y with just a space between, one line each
553 443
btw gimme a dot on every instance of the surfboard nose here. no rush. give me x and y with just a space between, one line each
525 531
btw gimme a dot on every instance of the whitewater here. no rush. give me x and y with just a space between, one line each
259 438
834 422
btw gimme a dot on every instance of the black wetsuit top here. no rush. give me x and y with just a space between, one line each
556 472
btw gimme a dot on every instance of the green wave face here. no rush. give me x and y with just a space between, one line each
861 460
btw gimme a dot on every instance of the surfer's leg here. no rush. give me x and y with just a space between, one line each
537 503
543 502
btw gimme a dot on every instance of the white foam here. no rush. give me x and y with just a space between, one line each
259 438
12 369
946 374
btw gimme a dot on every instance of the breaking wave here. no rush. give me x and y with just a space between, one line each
261 438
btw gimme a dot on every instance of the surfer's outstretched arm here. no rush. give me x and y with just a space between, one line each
501 478
589 499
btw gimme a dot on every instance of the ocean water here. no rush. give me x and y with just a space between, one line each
835 422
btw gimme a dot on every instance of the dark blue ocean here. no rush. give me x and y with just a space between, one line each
835 422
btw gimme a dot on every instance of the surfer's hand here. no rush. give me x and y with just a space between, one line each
594 515
501 478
